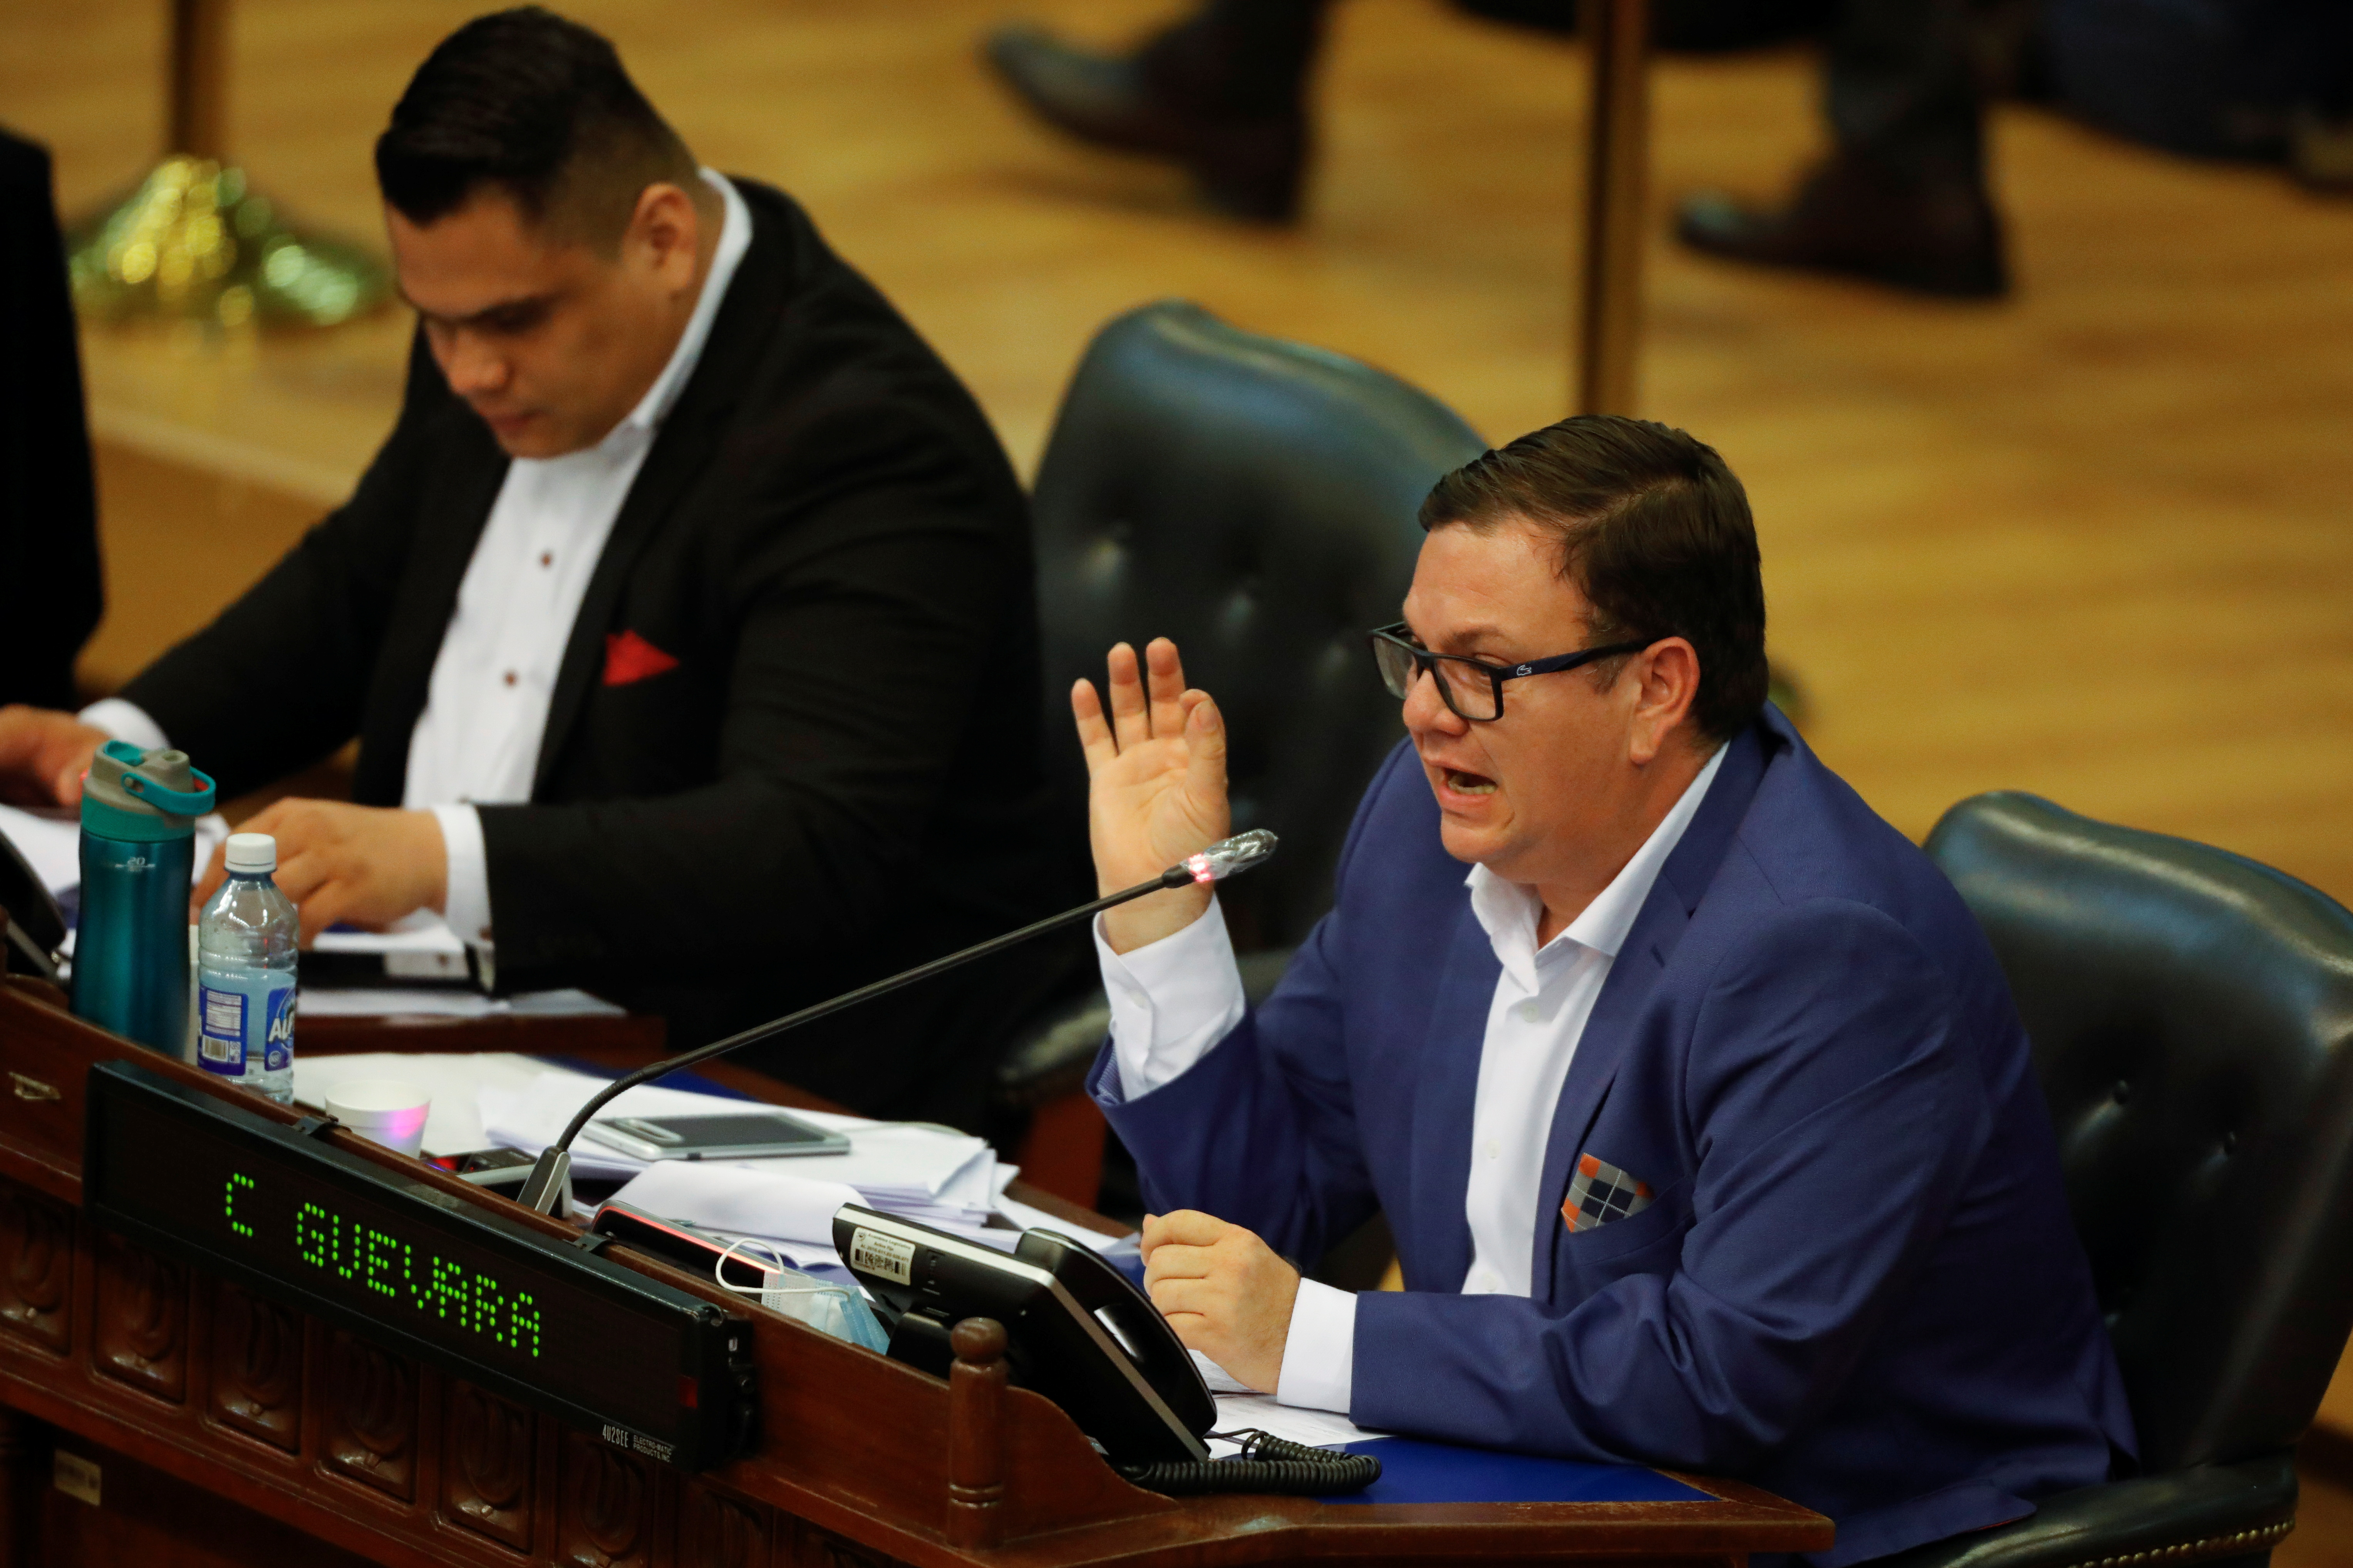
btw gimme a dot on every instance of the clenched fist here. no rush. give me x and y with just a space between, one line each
1224 1292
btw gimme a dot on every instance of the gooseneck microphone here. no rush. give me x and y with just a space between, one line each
550 1183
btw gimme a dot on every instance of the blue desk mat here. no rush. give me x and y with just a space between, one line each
1416 1471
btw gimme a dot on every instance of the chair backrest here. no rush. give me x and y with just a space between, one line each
1254 500
2191 1013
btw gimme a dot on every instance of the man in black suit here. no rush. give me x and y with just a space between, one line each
51 591
686 620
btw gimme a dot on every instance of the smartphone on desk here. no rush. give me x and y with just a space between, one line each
728 1135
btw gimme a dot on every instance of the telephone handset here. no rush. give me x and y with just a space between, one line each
1136 1325
1077 1329
1079 1332
36 926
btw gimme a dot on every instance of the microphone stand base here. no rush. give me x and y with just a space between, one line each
548 1189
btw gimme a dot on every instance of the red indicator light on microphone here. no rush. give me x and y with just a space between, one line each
689 1392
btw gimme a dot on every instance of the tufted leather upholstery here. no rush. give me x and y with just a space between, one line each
2192 1018
1255 501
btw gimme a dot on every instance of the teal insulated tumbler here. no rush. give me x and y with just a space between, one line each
139 812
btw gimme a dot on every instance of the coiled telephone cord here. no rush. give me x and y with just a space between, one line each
1266 1464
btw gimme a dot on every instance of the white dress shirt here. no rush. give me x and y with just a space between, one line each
477 739
1174 1000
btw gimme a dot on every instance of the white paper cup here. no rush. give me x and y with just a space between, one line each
383 1110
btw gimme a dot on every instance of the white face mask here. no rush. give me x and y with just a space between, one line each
829 1308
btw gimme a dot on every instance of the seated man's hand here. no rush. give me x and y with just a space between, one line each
362 865
1155 787
43 754
1224 1292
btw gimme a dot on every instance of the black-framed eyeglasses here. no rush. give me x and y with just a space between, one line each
1471 686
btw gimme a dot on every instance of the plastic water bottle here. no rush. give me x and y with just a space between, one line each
246 946
139 812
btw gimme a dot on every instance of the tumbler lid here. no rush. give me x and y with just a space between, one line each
138 796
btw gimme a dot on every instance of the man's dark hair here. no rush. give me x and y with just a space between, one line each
540 107
1651 528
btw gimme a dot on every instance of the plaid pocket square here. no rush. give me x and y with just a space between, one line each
1600 1192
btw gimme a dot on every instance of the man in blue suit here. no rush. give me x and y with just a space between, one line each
1699 1108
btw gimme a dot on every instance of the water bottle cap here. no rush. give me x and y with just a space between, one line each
251 852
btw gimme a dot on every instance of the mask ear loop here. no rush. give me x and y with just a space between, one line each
718 1268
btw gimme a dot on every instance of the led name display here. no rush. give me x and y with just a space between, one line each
197 1177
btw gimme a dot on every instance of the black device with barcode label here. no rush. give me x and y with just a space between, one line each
1077 1329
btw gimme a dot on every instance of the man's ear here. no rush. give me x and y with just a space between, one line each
1666 677
667 231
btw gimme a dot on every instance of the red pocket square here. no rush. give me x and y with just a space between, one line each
629 656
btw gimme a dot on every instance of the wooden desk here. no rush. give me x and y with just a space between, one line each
216 1427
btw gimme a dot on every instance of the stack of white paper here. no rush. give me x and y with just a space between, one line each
1242 1412
49 839
933 1176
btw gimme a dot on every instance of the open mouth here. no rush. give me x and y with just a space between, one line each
1462 782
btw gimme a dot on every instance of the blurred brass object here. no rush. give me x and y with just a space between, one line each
194 243
196 78
1608 305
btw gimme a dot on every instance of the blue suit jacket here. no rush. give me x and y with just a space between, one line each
1857 1284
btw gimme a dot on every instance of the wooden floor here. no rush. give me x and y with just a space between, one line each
2096 542
2323 1527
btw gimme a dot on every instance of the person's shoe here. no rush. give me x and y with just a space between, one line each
1938 236
1252 167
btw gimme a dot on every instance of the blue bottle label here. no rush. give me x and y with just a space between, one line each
244 1025
280 1039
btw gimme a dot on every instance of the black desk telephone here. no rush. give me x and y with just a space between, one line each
34 927
1077 1329
1081 1332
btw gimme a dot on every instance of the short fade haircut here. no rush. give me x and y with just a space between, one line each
1651 528
539 107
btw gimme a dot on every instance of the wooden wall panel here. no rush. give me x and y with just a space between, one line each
715 1531
257 1367
488 1456
37 1254
607 1517
140 1331
371 1415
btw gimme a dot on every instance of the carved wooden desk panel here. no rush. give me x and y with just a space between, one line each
224 1428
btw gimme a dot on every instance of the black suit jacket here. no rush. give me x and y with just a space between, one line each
49 587
840 776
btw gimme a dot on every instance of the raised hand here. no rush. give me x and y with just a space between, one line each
1155 787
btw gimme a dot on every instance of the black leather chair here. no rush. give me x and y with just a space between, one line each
2192 1018
1254 500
